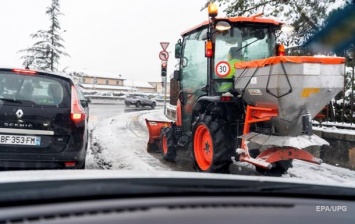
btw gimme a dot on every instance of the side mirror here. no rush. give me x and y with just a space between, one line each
182 97
84 103
177 75
178 49
223 26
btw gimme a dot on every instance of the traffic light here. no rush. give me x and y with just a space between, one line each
163 69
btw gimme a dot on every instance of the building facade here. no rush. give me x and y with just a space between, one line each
113 83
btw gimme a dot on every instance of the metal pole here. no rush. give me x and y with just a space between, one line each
165 95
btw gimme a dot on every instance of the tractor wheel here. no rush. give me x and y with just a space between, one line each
280 168
167 145
138 104
212 145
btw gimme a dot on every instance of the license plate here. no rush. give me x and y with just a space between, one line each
20 140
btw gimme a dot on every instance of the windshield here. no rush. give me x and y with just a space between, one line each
92 93
245 44
37 91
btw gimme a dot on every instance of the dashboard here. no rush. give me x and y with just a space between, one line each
184 209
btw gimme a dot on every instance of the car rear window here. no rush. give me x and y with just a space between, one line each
34 90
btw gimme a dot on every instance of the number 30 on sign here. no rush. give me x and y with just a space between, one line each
222 69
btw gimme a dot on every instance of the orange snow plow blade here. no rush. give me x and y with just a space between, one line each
154 127
272 155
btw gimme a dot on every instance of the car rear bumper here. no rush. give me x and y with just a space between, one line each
43 161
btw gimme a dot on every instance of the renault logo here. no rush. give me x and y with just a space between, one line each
19 113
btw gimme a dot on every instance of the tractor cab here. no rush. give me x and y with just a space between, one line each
228 42
209 52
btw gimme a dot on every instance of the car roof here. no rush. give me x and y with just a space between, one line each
238 19
60 75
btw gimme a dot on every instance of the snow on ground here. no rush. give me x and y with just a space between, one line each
335 130
120 143
323 173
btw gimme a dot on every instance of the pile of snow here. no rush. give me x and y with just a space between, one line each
120 143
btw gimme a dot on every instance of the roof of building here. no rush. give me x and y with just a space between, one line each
107 87
95 74
137 84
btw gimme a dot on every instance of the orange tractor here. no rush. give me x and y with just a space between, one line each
241 97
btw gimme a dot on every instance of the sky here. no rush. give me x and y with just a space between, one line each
103 36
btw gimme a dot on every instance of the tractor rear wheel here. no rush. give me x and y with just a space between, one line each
212 145
167 144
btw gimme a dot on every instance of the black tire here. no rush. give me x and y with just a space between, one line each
138 104
153 148
167 144
280 168
153 105
221 139
127 104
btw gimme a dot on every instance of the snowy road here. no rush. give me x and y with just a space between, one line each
119 142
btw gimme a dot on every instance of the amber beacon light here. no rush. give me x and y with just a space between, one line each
212 10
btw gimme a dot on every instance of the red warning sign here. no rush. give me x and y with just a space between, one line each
222 69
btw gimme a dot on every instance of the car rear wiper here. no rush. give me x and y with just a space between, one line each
11 100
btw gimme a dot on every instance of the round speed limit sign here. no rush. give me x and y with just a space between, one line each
222 69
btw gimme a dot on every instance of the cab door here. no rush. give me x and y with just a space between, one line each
193 70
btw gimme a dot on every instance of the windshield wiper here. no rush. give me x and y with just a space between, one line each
247 45
11 100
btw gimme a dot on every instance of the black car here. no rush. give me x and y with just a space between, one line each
43 121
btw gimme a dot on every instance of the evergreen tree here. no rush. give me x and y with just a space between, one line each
48 49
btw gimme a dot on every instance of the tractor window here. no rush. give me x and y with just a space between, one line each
194 63
256 45
243 44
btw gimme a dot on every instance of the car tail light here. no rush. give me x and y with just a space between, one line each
77 112
69 164
24 71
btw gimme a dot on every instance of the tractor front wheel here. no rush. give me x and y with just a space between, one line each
212 145
167 144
